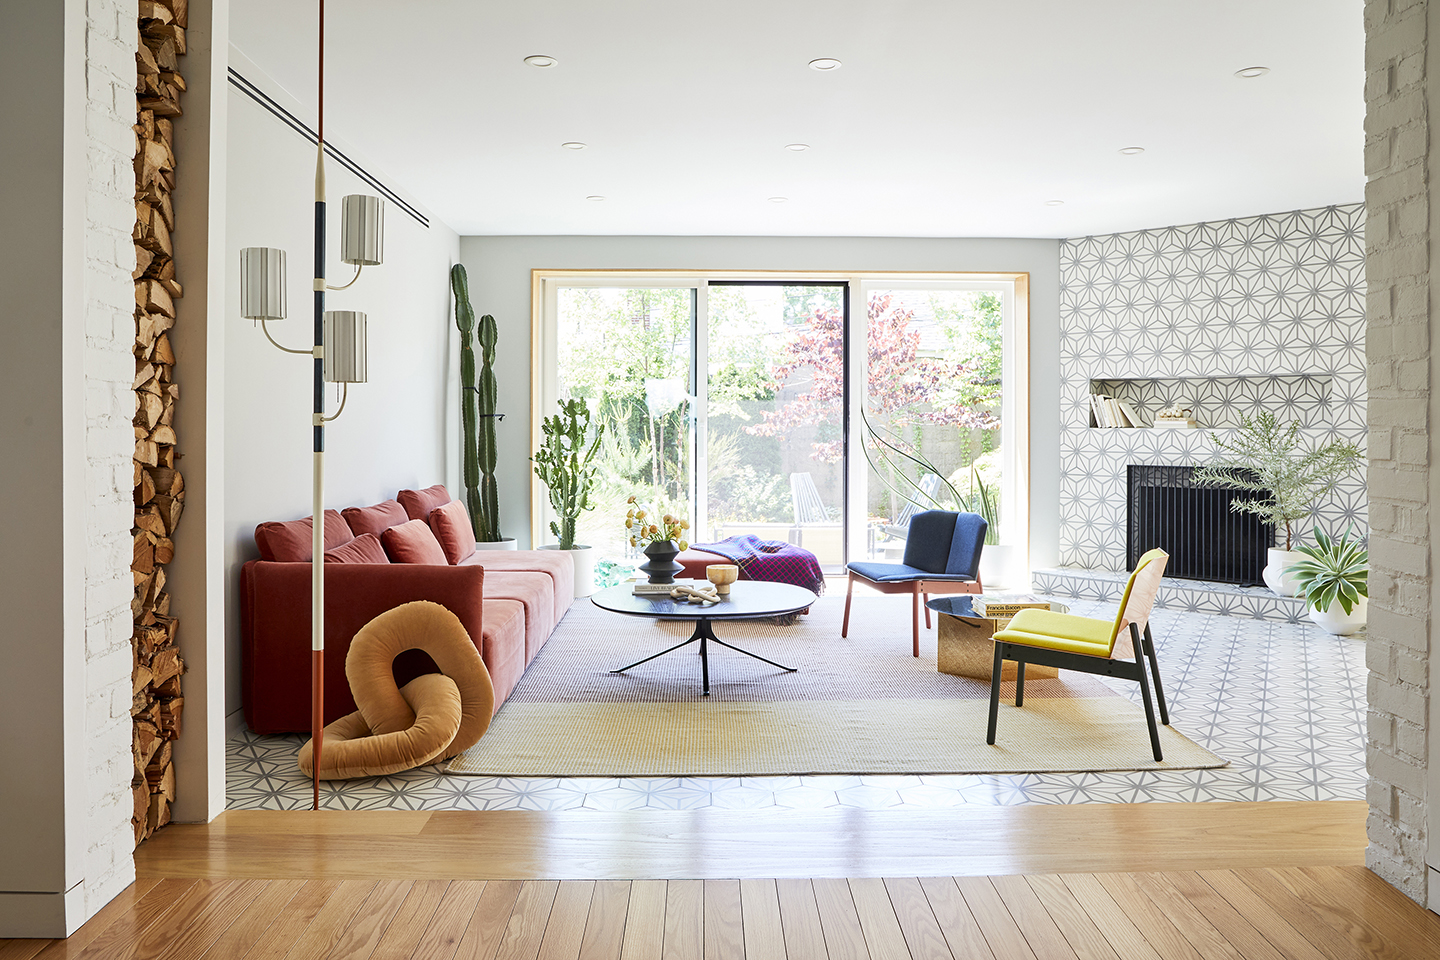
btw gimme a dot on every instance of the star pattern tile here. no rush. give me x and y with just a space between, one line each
1283 702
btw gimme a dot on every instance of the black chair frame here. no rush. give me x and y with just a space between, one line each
1143 645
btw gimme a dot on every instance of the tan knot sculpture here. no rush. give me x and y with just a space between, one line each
701 595
433 717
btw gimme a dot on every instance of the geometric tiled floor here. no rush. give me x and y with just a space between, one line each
1285 703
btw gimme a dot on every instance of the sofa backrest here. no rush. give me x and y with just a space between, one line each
419 503
289 541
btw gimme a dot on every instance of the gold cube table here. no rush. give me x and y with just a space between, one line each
965 642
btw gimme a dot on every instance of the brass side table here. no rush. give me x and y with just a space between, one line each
964 640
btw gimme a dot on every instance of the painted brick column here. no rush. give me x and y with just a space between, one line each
1398 347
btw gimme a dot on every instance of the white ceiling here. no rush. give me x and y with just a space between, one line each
956 118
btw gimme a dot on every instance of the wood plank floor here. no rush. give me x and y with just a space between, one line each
1284 913
723 844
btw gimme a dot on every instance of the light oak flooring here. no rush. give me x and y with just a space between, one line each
1300 913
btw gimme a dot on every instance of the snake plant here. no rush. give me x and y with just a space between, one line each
564 464
477 412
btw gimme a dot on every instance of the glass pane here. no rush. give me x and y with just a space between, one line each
933 407
629 353
774 418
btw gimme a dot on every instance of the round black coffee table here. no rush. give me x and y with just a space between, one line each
748 600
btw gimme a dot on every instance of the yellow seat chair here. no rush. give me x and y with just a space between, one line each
1087 644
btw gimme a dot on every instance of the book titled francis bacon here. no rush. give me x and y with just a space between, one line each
995 608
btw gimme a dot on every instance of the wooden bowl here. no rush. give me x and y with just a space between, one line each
722 575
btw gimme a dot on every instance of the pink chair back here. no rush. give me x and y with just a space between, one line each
1140 592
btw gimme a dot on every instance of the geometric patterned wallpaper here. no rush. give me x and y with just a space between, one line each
1229 317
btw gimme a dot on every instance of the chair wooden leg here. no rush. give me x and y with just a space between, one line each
849 590
995 692
1020 683
925 599
915 618
1145 695
1155 673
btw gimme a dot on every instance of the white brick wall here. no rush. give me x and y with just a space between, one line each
110 40
1397 265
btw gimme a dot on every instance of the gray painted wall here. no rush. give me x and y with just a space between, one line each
499 269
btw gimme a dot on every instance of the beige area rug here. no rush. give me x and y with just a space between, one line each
861 705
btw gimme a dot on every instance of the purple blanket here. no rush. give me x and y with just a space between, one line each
774 560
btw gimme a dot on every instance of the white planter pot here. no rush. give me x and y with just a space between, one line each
997 563
507 544
1284 584
1337 621
584 559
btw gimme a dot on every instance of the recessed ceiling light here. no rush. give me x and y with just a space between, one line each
825 63
1132 151
1054 203
597 199
540 60
778 199
573 145
797 147
1250 73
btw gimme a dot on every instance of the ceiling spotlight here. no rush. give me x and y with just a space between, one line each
597 199
573 145
825 63
1250 73
797 147
778 199
1132 151
541 61
1054 203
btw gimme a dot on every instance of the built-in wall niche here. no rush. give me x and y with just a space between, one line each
1221 401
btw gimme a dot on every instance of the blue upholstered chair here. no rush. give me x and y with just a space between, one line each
942 555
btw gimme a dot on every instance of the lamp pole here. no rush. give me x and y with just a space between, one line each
317 521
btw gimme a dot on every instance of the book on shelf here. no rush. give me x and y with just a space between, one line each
1003 608
1131 417
1175 423
1111 412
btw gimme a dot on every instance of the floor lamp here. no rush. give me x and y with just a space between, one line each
339 356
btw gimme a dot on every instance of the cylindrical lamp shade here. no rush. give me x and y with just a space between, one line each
345 346
262 283
362 230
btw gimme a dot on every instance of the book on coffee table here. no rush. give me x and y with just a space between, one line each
1003 608
643 589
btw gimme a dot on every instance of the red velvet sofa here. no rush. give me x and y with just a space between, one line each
377 558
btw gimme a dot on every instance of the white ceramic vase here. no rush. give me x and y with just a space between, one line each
506 544
996 561
584 559
1282 583
1337 621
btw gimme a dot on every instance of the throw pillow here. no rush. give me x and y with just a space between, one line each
412 542
451 526
289 541
365 548
419 503
374 519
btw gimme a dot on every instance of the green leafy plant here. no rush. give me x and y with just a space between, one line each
1333 571
890 460
564 464
983 503
1266 459
477 412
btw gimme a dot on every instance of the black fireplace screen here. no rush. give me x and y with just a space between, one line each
1206 540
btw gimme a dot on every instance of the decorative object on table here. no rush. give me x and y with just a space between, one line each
478 417
702 595
722 575
964 645
1332 578
775 561
565 464
432 718
1266 459
338 354
1176 417
1086 644
942 555
662 540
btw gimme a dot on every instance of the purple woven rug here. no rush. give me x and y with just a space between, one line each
774 560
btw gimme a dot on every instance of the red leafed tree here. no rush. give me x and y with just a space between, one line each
903 386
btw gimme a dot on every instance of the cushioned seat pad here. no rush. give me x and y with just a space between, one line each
1059 631
536 591
887 572
556 563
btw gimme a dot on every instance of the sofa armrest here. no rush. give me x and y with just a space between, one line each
275 630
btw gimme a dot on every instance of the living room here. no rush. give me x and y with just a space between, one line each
1185 224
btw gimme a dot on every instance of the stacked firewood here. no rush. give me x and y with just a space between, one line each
159 487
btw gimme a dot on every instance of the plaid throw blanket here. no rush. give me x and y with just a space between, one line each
774 560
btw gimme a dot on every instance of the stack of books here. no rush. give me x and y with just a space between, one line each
1003 608
1110 412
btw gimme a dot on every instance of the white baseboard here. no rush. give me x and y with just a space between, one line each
1432 890
47 915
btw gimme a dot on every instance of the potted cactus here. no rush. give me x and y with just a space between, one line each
565 464
477 418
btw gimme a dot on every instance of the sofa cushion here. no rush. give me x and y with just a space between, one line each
557 563
289 541
374 519
365 548
451 526
419 503
502 645
412 542
536 591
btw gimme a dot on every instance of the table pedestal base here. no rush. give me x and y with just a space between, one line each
704 633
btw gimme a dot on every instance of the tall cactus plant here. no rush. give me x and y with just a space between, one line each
565 465
477 412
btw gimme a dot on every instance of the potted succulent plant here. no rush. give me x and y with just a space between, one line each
564 464
1266 459
1332 578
